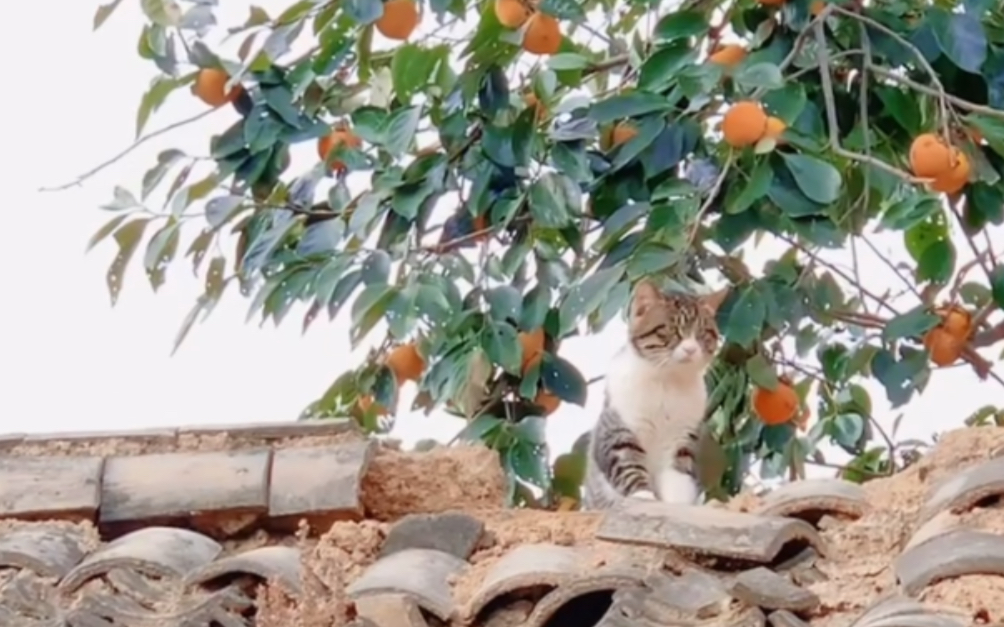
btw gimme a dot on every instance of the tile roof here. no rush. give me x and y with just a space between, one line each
140 528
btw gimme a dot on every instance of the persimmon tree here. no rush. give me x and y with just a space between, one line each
488 179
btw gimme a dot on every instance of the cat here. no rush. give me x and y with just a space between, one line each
644 442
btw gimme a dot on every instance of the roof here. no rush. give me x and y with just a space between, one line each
309 523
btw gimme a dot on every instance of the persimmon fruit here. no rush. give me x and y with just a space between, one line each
777 406
209 85
547 402
728 55
533 348
744 124
399 19
930 156
956 320
512 13
406 363
943 347
955 178
616 135
542 35
775 128
337 137
533 102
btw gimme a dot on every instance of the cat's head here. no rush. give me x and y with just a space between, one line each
674 330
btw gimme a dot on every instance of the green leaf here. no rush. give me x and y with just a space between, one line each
505 302
585 297
759 76
553 198
997 284
160 250
761 372
480 428
502 345
399 129
902 105
563 9
279 100
786 103
104 12
536 304
680 25
567 61
847 430
568 472
260 249
818 180
152 100
529 462
123 199
165 161
105 231
363 11
321 238
922 235
376 269
754 189
165 13
911 324
412 68
561 378
369 307
960 36
899 377
220 210
628 105
127 237
937 262
909 212
746 317
659 71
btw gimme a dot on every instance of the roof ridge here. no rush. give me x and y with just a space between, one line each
257 430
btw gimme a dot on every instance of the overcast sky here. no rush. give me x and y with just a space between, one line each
75 363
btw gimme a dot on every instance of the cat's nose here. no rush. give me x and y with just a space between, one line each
689 349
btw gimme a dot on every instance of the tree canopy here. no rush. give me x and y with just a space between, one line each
493 176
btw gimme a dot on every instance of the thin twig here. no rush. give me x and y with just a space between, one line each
142 140
924 89
712 196
831 113
888 262
940 93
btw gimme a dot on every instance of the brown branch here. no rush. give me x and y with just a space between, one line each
136 144
924 89
831 112
881 302
940 89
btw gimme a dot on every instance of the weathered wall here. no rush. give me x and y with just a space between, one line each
417 539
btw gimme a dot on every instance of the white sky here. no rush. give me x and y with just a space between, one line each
74 363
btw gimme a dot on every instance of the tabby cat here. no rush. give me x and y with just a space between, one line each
643 444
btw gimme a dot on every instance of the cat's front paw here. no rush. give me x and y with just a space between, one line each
644 495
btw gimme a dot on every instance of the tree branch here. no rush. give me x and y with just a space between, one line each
142 140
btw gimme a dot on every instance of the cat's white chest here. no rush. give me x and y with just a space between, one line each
651 401
661 410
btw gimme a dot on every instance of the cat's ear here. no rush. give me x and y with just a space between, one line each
646 294
715 299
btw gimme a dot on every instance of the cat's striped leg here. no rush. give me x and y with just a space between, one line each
620 458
